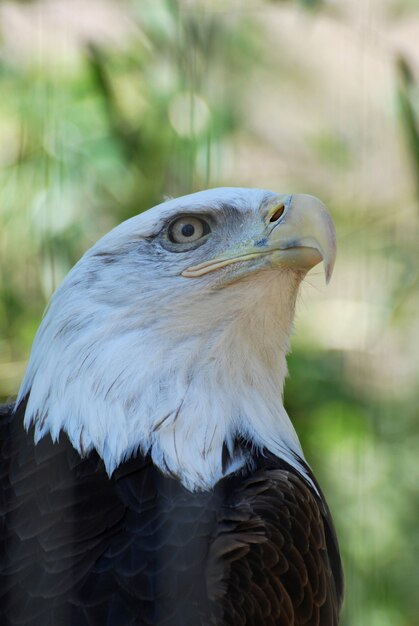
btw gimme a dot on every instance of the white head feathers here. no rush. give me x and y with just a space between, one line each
132 356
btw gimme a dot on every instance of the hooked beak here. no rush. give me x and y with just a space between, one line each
301 237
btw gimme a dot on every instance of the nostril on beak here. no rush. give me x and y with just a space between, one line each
278 213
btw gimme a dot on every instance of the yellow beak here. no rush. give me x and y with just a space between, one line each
303 237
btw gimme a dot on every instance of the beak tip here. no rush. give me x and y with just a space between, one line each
329 264
330 250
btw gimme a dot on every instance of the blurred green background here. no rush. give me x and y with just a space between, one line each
107 106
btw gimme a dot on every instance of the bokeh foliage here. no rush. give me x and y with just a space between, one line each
105 129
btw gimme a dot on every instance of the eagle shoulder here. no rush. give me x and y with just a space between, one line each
275 559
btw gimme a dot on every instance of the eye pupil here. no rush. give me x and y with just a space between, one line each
188 230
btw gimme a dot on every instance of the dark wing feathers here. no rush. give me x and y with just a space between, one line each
272 559
78 548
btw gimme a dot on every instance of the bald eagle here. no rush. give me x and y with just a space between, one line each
149 471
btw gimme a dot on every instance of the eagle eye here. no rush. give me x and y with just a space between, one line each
187 229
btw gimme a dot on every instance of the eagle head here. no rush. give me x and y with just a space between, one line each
169 336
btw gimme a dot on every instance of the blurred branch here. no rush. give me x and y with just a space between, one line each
408 115
128 140
311 4
307 4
